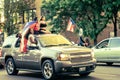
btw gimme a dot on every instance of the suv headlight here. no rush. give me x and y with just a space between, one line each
64 57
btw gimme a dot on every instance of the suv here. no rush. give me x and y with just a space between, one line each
53 54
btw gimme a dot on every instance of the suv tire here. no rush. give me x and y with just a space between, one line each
48 69
10 67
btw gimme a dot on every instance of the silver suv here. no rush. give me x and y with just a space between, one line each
53 54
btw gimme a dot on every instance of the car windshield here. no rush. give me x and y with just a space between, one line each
54 40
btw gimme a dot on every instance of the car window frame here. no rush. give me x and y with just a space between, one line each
102 42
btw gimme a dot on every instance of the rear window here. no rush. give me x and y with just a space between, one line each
8 42
115 43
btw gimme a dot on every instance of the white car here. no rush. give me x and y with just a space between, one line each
108 51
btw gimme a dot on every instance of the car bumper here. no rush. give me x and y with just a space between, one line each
68 67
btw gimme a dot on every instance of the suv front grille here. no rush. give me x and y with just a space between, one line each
80 57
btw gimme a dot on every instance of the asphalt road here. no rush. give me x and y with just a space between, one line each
102 72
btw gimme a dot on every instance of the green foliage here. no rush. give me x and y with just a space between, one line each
11 9
86 14
111 9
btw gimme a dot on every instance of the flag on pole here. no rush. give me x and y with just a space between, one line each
71 25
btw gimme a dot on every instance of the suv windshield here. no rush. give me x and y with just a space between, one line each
54 40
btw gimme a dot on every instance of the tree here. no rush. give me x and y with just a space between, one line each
12 10
92 20
86 14
55 10
111 9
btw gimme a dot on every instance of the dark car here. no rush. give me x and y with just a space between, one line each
53 54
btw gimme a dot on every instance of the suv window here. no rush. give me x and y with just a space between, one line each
8 42
17 44
31 45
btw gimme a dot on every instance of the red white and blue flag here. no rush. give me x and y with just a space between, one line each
71 25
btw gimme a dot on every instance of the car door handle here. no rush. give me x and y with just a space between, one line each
107 49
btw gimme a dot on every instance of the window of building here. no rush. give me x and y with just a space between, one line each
29 15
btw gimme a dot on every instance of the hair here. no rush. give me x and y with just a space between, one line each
87 40
35 19
42 17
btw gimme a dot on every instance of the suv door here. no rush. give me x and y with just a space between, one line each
31 59
17 54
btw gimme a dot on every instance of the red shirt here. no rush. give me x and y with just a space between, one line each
35 26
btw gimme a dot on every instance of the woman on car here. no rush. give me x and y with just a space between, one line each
43 26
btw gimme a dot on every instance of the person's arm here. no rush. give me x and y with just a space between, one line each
32 39
32 28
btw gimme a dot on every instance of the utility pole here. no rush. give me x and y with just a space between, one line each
38 4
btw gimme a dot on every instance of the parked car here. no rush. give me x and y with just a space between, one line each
52 55
108 51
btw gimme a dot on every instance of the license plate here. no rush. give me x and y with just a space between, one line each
82 69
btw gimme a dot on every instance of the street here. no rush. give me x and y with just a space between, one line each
102 72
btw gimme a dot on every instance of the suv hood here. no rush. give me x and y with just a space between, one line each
71 49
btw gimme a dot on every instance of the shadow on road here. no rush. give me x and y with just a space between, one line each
1 67
104 64
76 77
60 77
31 74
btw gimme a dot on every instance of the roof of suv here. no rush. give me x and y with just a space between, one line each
15 35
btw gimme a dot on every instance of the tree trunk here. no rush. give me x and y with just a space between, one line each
115 28
115 24
95 41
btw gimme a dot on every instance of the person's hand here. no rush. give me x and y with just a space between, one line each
86 44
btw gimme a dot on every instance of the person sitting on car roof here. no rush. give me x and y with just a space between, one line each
43 26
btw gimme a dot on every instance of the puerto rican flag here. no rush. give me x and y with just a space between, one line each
71 25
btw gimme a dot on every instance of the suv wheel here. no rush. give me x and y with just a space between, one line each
10 67
48 69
